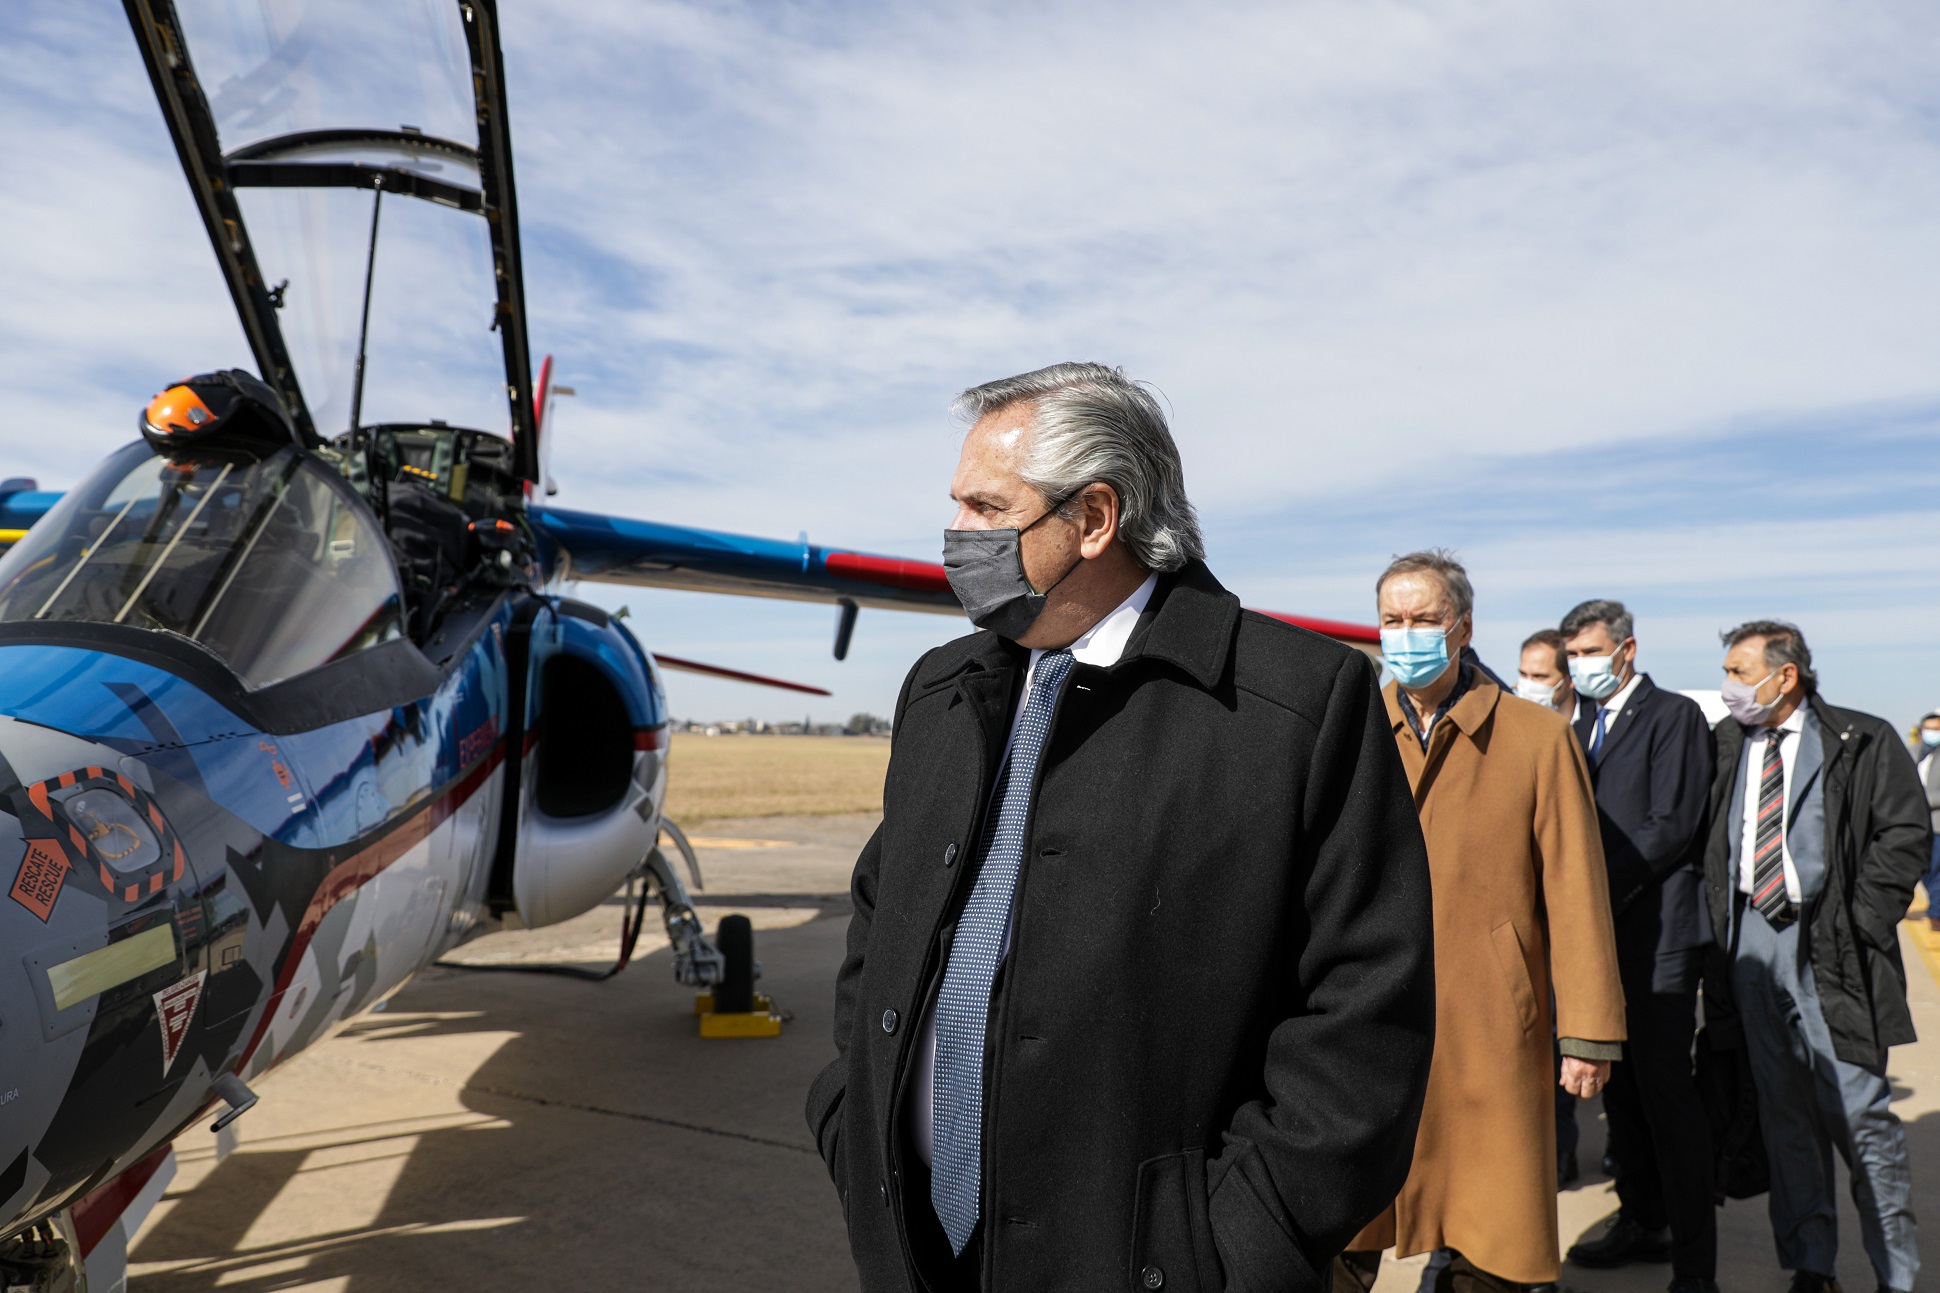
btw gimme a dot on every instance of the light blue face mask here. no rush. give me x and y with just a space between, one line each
1595 676
1929 737
1416 657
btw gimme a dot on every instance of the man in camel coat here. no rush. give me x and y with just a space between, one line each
1522 910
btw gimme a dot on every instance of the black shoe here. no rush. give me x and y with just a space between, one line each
1693 1284
1813 1282
1625 1242
1567 1172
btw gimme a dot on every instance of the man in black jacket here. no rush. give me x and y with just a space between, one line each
1139 985
1819 831
1650 761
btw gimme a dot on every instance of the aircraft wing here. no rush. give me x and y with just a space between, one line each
652 554
615 550
22 502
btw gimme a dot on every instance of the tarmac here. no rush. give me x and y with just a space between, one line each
494 1131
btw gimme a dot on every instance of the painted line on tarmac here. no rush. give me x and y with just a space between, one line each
579 1106
644 1117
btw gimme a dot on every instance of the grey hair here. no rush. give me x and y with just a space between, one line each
1784 644
1440 563
1611 615
1091 424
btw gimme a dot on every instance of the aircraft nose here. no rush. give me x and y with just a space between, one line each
97 912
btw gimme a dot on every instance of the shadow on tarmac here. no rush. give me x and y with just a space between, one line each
1747 1260
607 1146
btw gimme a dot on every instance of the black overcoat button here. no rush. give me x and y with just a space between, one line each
882 1188
1152 1277
889 1022
950 854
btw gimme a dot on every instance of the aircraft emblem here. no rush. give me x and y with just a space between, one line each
175 1007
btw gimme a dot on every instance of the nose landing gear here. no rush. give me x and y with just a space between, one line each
723 966
734 1008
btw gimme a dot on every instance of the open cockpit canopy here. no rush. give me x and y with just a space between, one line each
352 163
271 564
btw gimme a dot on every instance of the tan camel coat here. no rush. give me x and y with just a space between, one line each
1521 905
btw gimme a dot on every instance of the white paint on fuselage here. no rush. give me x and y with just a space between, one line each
372 941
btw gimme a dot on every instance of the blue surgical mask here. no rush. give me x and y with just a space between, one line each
1416 657
1595 676
1929 737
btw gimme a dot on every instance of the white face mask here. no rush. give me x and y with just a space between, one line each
1595 675
1541 693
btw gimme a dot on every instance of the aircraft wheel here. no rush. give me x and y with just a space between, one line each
734 994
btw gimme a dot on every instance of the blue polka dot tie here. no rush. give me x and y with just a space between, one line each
963 1002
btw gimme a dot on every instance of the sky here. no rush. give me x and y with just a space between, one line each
1635 301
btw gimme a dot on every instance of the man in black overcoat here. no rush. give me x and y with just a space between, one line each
1818 833
1139 985
1650 761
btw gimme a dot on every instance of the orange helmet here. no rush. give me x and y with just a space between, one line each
228 410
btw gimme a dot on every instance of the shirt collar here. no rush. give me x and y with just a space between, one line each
1796 723
1621 696
1105 641
1463 681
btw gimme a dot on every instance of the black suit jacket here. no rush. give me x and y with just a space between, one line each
1653 784
1877 842
1210 1040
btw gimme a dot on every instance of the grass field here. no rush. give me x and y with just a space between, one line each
771 776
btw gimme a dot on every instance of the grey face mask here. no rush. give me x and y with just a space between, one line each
986 571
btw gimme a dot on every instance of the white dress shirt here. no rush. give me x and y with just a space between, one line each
1612 708
1788 753
1101 646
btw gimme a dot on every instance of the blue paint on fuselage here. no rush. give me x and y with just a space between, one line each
332 785
68 688
369 769
316 789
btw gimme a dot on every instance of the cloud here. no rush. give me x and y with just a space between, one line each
1400 270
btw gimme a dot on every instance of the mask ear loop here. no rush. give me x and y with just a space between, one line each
1032 526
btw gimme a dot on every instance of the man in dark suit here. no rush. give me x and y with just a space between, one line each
1819 831
1139 990
1650 761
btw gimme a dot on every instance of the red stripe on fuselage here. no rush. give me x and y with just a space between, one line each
360 869
96 1212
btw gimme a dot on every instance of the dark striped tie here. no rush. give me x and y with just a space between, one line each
963 1002
1768 855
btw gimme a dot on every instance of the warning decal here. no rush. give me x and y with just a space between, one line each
175 1007
37 885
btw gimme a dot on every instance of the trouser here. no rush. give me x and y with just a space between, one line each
1658 1130
1812 1102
